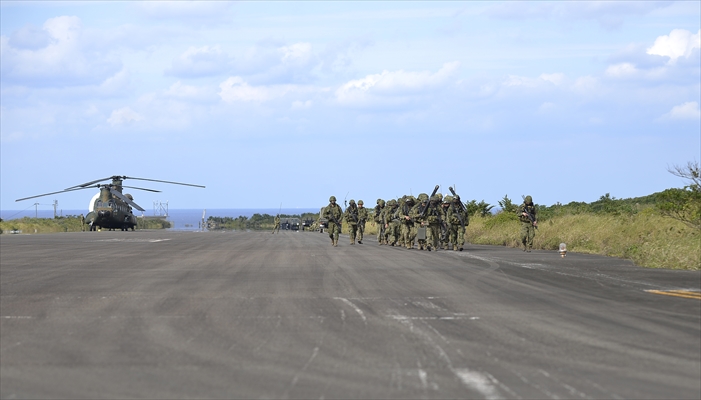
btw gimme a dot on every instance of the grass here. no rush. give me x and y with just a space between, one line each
646 238
65 224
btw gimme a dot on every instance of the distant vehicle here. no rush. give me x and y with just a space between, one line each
110 208
291 224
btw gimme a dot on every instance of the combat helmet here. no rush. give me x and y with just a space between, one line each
360 202
351 201
423 197
440 196
529 200
435 199
381 202
448 199
332 199
410 200
392 203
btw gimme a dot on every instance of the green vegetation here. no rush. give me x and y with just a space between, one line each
646 237
70 223
255 222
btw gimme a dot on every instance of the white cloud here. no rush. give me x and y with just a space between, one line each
124 115
296 54
54 56
515 80
621 70
235 89
557 78
199 61
188 92
686 111
586 85
679 43
396 83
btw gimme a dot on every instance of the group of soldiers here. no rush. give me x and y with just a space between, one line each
428 222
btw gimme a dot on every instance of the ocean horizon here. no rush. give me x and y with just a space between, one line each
182 219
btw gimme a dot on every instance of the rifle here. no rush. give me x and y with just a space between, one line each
423 210
528 213
462 207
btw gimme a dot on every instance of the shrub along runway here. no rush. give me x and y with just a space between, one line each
159 314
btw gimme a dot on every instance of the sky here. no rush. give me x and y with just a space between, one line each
288 103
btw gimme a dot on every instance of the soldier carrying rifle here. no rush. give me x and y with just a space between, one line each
529 222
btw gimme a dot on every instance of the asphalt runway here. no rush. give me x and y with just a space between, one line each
167 315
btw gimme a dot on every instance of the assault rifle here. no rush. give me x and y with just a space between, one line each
530 216
423 210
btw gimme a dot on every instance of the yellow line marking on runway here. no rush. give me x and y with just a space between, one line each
678 293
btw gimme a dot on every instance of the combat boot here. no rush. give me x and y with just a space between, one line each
352 242
335 242
360 242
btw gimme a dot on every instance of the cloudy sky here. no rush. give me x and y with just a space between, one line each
291 102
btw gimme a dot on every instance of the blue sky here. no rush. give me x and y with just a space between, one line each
291 102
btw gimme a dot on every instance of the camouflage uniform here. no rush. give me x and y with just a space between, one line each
351 217
407 222
333 213
419 221
434 217
277 225
391 222
457 219
362 217
445 236
377 217
527 227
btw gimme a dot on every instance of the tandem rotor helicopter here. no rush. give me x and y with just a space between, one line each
111 209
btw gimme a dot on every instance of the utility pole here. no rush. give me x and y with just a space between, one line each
55 205
36 212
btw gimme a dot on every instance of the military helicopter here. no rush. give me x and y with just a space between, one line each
111 209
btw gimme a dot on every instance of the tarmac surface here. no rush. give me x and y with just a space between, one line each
163 314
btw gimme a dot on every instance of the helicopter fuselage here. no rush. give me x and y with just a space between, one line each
109 212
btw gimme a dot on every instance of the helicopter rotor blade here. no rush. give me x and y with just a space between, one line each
92 182
149 190
47 194
126 199
156 180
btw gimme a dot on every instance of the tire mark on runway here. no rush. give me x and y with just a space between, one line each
473 380
354 307
315 352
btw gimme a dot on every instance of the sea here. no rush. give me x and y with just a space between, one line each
183 219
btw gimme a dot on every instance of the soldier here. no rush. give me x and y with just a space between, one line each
445 204
457 219
277 224
82 223
362 217
529 222
391 222
407 222
333 213
377 218
351 216
434 218
420 220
